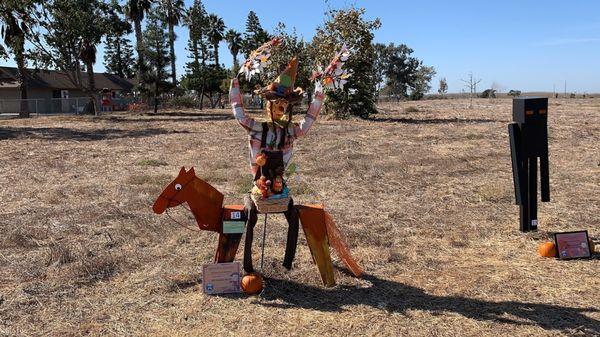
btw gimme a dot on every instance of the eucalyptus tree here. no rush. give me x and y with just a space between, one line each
72 30
17 17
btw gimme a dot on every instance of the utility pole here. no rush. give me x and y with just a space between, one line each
565 88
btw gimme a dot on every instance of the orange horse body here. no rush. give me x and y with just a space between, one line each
206 204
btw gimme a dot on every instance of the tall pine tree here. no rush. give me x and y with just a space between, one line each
157 56
118 53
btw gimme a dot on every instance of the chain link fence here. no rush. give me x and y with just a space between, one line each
15 106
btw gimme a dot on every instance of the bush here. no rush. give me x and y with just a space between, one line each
488 93
411 108
514 93
182 102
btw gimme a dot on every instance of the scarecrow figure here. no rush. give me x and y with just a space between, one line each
271 144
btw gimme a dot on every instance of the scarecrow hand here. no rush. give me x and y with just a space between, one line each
235 96
318 91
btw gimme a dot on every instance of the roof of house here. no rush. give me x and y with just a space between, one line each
58 80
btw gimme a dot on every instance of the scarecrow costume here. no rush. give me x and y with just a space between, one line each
271 144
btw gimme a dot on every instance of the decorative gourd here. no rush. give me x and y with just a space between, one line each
547 249
252 284
261 159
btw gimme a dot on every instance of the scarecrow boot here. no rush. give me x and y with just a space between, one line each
252 219
292 217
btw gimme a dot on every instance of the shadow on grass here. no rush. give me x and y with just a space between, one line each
170 117
404 120
80 135
396 297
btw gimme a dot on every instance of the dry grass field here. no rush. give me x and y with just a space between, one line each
424 197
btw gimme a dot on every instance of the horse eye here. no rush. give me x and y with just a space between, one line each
177 187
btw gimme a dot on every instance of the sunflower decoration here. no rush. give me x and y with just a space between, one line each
334 76
259 59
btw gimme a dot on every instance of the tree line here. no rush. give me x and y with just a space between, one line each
64 35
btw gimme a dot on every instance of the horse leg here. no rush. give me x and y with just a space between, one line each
252 219
292 217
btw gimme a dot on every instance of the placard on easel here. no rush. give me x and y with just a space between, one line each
572 245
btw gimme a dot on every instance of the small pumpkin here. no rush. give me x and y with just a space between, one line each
252 284
261 159
547 249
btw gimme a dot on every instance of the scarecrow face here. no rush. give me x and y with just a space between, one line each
276 108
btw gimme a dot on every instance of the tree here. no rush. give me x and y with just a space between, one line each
234 43
292 45
421 86
118 54
172 13
379 66
443 87
255 35
400 70
471 84
16 21
72 30
135 10
216 29
156 78
349 27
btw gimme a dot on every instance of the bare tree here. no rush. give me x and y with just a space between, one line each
471 84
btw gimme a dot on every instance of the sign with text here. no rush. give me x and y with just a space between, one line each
221 278
572 245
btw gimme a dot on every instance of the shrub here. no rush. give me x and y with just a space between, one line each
182 102
411 108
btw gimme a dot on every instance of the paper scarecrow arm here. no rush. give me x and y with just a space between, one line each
311 115
237 105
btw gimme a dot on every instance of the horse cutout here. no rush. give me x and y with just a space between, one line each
206 204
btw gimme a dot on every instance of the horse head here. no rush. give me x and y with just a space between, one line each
205 201
176 192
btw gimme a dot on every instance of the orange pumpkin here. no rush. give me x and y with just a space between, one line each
261 159
252 284
547 249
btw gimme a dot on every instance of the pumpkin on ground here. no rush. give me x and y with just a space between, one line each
252 284
547 249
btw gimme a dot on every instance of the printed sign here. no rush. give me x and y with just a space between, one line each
221 278
233 227
572 245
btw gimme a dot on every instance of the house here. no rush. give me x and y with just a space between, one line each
50 91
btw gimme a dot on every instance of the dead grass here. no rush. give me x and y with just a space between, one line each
425 199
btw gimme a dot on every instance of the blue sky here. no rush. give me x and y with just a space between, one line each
525 45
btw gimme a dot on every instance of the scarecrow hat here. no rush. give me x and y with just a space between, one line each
283 86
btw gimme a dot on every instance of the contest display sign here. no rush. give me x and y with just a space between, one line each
221 278
573 245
